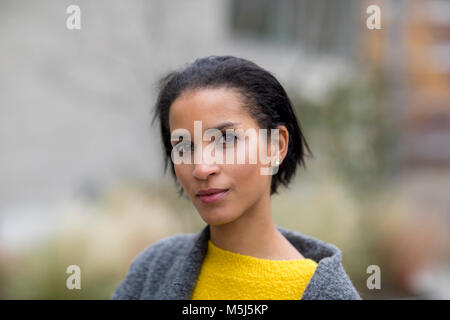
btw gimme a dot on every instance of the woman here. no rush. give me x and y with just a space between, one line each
241 253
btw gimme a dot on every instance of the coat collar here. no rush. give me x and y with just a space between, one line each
329 272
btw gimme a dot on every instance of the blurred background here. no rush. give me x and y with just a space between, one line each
81 172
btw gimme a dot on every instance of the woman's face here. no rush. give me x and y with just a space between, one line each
244 182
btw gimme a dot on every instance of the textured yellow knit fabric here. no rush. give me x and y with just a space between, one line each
226 275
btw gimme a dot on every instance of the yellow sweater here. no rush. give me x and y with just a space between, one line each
227 275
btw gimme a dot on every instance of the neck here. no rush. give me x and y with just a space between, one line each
254 233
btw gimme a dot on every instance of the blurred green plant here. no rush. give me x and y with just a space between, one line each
352 130
102 238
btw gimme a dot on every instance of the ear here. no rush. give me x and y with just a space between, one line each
279 147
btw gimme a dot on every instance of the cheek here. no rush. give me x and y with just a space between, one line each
183 173
248 179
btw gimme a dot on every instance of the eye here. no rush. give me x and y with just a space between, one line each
183 147
228 139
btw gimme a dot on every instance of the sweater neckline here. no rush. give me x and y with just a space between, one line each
227 262
217 250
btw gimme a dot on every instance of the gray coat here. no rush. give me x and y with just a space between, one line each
168 269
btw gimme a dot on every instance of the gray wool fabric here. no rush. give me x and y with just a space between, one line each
168 269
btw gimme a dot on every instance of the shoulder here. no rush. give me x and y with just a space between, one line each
157 257
165 248
330 281
311 247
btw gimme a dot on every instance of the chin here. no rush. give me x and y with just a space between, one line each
216 218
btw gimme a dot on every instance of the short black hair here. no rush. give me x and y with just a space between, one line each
265 100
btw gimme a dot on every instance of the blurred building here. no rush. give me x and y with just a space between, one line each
75 104
414 48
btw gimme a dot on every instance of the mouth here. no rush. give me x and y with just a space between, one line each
212 195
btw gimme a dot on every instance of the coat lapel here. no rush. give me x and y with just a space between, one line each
182 285
329 281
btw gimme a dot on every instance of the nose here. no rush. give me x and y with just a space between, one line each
203 171
203 168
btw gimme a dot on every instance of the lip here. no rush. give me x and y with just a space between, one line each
212 195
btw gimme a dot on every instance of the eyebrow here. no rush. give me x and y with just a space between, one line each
218 127
225 125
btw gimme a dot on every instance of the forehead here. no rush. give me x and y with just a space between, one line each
211 106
